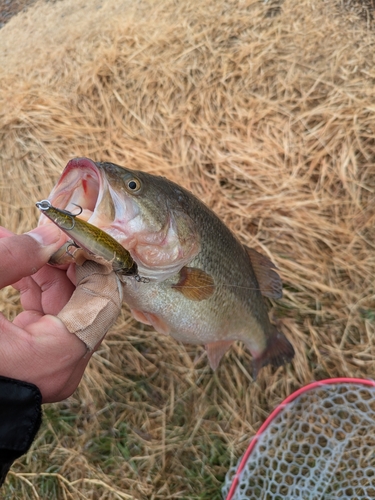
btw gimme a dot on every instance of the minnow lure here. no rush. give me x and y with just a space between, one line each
91 238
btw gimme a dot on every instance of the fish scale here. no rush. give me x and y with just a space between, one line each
203 286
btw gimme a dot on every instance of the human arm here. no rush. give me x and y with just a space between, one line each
40 360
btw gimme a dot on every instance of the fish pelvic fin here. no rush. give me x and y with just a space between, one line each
278 352
269 281
151 319
195 284
216 350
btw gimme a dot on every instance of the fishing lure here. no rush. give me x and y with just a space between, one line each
91 238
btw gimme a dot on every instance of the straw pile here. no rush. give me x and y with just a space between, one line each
266 112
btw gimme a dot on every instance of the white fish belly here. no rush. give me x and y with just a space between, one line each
193 322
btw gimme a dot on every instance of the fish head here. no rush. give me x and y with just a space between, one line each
147 214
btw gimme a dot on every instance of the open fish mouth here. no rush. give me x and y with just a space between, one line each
84 184
161 240
79 185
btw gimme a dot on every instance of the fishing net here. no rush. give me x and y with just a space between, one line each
318 444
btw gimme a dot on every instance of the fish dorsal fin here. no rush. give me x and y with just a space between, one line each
216 350
195 284
269 281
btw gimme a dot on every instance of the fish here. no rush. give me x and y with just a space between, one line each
88 237
204 286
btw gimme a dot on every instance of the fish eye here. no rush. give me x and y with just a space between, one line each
133 185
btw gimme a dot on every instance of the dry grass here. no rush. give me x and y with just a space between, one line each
9 8
267 118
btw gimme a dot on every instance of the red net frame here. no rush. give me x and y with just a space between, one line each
278 410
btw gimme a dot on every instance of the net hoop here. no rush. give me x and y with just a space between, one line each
278 409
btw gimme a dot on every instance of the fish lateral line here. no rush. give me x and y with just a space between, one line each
223 284
258 289
229 285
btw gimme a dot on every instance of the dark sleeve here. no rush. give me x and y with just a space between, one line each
20 419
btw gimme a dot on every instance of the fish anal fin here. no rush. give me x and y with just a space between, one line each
278 352
195 284
216 350
269 281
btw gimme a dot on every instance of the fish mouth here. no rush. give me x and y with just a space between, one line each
79 185
83 186
95 193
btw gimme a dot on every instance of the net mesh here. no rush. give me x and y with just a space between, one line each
319 446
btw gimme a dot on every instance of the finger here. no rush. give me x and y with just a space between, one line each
30 294
23 255
12 341
48 290
64 391
27 318
75 378
71 273
5 232
66 352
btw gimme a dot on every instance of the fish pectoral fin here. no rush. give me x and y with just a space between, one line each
195 284
216 350
278 352
269 281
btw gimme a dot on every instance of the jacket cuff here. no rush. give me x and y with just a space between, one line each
20 419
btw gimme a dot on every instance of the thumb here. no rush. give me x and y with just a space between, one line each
23 255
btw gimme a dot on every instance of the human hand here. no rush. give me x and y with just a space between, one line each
36 347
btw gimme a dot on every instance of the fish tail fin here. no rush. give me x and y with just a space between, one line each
278 352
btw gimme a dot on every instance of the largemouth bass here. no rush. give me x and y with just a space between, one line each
205 287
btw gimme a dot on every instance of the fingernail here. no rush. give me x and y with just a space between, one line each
45 235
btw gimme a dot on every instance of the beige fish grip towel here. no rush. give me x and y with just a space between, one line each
95 304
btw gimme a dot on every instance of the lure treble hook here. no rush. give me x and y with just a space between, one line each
46 205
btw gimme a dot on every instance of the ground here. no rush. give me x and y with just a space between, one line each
9 8
265 110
